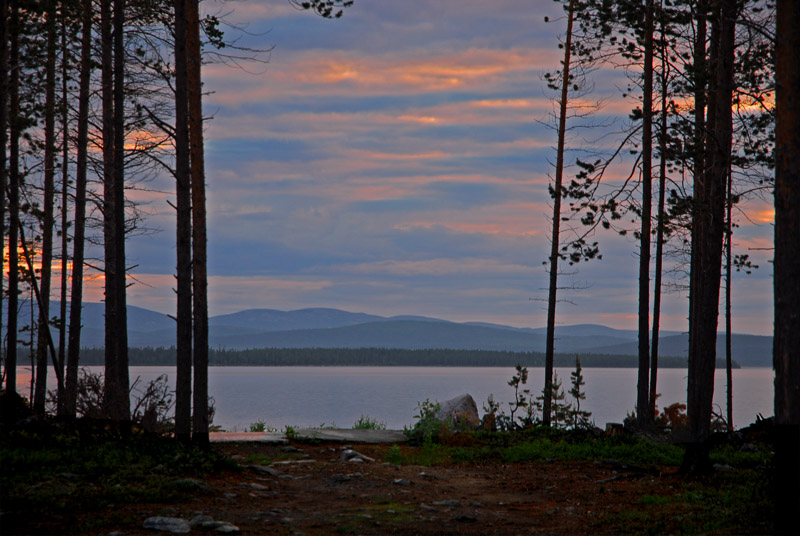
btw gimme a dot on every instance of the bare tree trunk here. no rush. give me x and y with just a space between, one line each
117 404
728 282
62 313
13 197
786 348
183 387
660 223
73 352
709 209
4 17
123 411
554 239
643 415
40 395
199 256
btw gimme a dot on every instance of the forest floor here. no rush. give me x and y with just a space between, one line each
461 486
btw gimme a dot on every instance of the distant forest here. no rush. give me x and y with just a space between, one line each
384 357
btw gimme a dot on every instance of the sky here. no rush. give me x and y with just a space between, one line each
396 161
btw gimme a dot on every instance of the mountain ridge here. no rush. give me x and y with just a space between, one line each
334 328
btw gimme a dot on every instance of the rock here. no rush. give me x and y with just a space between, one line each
350 455
199 519
226 528
401 482
461 411
450 502
257 486
175 525
264 470
465 519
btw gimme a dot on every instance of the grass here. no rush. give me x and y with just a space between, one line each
536 445
91 466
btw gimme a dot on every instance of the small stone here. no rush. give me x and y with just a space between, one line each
198 519
475 504
451 502
429 508
227 528
175 525
264 470
465 519
401 482
290 448
229 495
350 455
257 486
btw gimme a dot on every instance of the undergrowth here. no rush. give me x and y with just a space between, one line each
93 465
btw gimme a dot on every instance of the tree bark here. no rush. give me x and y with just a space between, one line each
660 224
183 386
643 415
4 16
556 222
13 197
76 299
728 283
62 313
786 346
47 222
709 223
199 235
121 324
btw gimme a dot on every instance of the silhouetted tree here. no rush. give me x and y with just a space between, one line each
786 346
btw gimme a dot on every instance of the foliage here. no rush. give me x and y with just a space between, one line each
576 417
366 423
427 428
522 402
258 426
106 467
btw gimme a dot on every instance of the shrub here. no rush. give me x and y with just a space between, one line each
366 423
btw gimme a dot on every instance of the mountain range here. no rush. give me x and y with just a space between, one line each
334 328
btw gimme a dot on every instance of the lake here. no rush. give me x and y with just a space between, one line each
338 396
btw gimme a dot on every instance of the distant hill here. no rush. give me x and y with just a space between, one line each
334 328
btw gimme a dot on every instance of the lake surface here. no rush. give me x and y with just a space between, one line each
338 396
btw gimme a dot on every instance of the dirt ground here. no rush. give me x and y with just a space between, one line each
312 491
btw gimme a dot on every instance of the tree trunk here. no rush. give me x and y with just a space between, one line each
786 347
709 222
62 313
123 411
199 256
47 214
728 283
660 223
116 389
183 386
643 415
4 16
73 352
554 239
13 197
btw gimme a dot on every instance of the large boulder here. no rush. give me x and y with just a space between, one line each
461 412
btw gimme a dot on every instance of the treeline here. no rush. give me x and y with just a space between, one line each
378 357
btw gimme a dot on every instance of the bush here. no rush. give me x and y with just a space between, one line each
366 423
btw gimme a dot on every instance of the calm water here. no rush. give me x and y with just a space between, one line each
313 396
